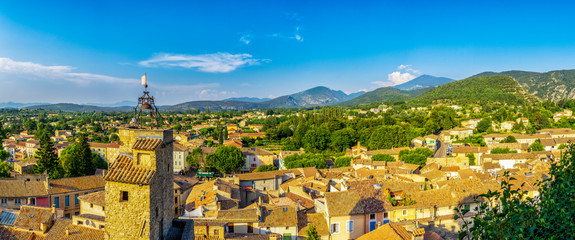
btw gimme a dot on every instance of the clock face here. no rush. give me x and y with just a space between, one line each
88 222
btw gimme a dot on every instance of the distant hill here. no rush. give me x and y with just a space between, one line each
318 96
478 90
248 99
118 104
18 105
553 85
70 107
385 94
423 81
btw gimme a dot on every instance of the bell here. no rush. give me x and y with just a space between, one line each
145 106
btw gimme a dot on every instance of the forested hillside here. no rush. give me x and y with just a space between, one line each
478 90
553 85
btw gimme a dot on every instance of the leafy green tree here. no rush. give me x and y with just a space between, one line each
305 160
383 157
536 147
483 125
193 159
5 169
471 157
114 137
343 139
4 155
509 139
47 158
342 162
227 159
418 156
386 137
311 233
502 150
266 168
317 140
510 214
99 162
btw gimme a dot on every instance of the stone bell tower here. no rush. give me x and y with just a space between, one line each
140 186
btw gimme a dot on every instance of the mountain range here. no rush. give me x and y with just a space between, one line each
423 81
512 87
552 85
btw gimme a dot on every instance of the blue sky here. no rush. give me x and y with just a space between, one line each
96 51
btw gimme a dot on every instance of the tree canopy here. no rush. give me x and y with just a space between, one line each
226 159
511 214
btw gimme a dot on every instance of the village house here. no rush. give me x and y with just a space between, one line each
180 153
460 133
255 157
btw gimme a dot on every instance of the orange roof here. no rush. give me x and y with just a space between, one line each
33 217
388 232
147 144
123 170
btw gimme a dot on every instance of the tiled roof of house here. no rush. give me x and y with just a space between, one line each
343 203
65 185
262 175
21 188
58 232
185 182
146 144
238 215
98 198
462 149
434 174
316 219
123 170
33 217
304 202
10 233
387 232
279 216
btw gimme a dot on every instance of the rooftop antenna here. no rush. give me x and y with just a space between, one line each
146 104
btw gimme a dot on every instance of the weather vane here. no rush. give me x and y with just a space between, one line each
146 104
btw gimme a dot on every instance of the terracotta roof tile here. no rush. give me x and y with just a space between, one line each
388 232
32 217
10 233
98 198
123 170
58 232
280 216
21 188
147 144
65 185
317 219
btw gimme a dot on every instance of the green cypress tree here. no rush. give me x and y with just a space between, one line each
84 155
47 158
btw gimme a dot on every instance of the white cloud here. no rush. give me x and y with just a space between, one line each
405 73
401 67
214 63
398 77
8 65
295 36
246 39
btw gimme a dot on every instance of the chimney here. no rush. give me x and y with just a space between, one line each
417 234
44 227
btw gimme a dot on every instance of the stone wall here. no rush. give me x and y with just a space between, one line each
127 219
